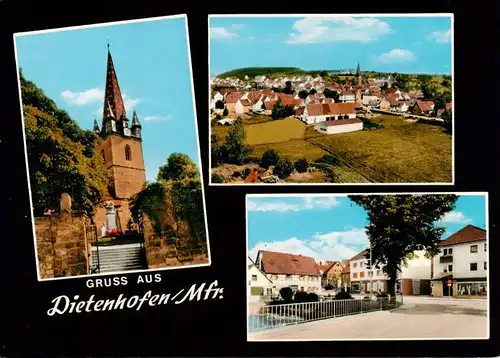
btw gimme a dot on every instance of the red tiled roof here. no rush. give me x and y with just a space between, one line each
470 233
289 264
340 122
245 102
318 109
425 106
360 255
233 97
346 264
269 105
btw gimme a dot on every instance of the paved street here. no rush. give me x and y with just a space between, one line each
419 317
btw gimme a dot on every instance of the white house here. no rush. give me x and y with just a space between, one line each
217 96
413 279
369 100
320 112
341 126
258 283
347 96
463 259
288 270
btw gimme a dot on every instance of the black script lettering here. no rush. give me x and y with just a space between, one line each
61 300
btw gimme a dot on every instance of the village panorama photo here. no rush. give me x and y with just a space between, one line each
112 148
367 266
331 99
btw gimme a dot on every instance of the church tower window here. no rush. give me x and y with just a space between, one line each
127 153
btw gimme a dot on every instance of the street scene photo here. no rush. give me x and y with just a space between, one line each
367 266
331 99
111 148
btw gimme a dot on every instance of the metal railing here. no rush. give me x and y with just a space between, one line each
273 316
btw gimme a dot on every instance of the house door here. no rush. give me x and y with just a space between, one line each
447 291
416 287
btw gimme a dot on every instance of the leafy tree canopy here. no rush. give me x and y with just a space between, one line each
401 224
61 156
178 166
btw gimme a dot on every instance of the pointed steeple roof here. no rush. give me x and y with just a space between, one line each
135 120
113 99
96 126
358 70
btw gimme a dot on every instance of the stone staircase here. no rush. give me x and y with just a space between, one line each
117 258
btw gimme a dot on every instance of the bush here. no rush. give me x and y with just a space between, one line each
327 169
270 157
284 168
218 117
216 178
342 295
382 294
328 159
301 165
287 294
302 296
329 287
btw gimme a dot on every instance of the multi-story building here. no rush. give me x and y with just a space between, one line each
363 280
258 282
287 270
462 261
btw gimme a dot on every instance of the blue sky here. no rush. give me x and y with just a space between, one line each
331 227
393 44
151 60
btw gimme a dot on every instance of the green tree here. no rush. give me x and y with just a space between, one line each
219 105
288 88
178 166
301 165
237 151
282 111
313 91
447 118
401 224
61 156
303 94
216 178
269 158
283 168
331 94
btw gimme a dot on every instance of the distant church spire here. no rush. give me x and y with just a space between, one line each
358 71
96 126
113 99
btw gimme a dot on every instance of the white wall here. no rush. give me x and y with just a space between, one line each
344 128
256 278
310 283
367 99
462 258
418 268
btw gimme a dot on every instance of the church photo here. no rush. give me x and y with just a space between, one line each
111 145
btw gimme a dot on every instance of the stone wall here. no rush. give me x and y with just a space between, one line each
61 245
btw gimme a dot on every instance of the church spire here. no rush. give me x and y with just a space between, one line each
358 71
113 100
96 126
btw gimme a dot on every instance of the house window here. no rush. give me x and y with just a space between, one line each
473 249
355 275
254 277
361 264
450 251
485 266
362 274
379 272
450 268
301 277
355 265
269 291
473 266
127 153
288 277
484 247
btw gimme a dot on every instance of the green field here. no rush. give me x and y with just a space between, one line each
401 152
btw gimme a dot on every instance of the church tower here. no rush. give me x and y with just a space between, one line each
359 80
121 148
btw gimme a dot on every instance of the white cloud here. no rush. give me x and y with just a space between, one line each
156 118
222 33
83 98
396 55
441 36
307 203
337 29
455 217
338 245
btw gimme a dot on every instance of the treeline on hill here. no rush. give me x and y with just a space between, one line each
62 157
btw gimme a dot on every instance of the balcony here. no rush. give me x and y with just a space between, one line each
446 259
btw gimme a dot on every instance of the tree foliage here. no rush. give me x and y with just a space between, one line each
282 111
179 166
331 94
61 156
237 151
401 224
288 88
269 158
283 168
303 94
301 165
